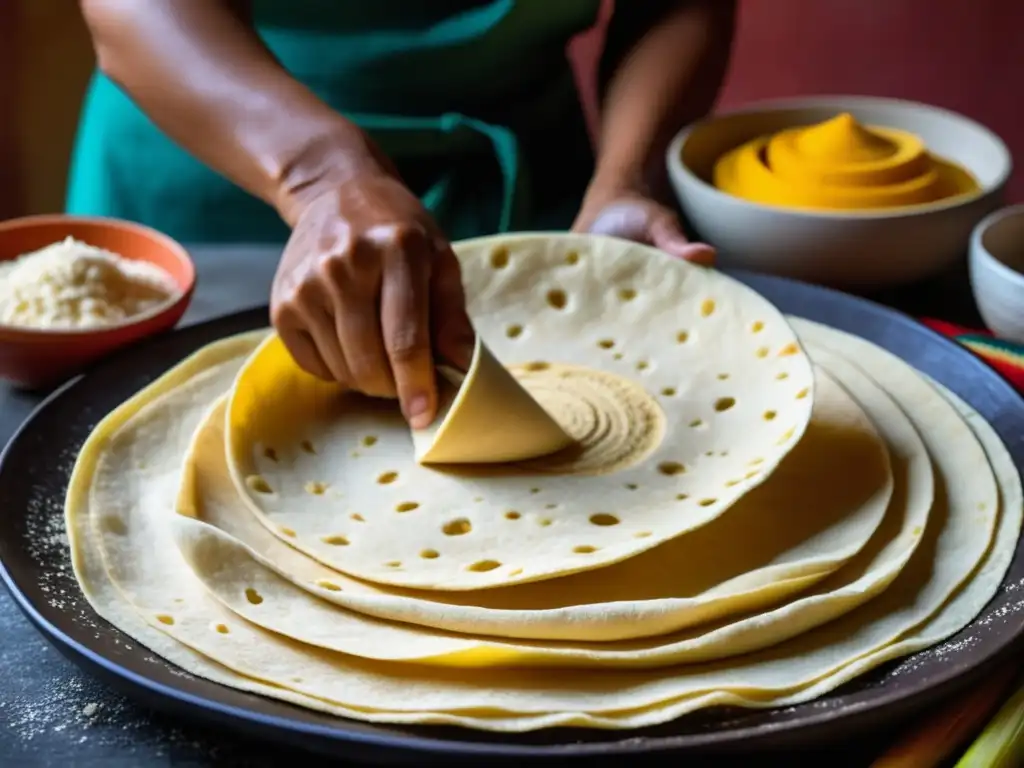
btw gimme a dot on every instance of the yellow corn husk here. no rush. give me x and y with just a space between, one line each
937 738
1001 744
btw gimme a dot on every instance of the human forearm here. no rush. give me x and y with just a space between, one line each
199 70
667 78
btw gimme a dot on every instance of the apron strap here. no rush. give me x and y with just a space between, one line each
459 137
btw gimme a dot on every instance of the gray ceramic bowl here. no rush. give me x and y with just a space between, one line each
843 249
997 272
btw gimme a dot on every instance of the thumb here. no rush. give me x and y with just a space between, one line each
666 235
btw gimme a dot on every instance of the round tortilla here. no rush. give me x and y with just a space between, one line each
843 453
670 427
955 615
950 548
954 541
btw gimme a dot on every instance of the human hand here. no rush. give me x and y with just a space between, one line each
634 216
369 293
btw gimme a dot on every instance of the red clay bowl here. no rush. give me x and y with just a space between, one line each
35 358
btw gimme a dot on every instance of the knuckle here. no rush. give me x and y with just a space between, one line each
352 264
334 237
306 292
381 235
400 242
300 346
407 344
295 293
362 253
337 267
411 237
284 316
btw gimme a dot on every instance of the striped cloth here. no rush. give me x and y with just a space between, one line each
1005 356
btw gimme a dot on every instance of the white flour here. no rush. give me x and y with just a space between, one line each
73 285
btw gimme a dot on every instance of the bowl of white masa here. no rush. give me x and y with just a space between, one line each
73 290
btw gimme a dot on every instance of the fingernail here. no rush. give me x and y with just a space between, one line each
417 411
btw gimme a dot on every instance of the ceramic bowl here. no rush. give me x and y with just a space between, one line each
842 249
997 272
36 358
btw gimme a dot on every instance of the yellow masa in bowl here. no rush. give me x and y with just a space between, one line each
840 164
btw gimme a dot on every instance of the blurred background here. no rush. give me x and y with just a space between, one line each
951 53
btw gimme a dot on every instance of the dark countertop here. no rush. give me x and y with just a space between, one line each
52 714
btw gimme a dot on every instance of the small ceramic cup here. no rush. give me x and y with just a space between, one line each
997 271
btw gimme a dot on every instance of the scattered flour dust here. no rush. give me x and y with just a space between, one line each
72 705
57 708
48 545
105 720
1012 608
73 285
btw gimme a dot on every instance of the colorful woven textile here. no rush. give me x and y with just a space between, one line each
1005 356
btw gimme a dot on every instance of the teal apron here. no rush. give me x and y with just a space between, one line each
473 100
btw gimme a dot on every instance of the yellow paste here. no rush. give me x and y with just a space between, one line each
840 165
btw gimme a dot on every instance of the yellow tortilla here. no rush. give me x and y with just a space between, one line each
778 539
840 435
681 388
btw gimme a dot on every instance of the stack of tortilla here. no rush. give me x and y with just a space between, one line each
650 493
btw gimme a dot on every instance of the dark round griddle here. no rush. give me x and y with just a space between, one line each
34 564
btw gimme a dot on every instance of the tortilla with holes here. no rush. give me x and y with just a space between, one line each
520 699
782 537
682 390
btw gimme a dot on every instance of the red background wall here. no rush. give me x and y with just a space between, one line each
965 55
